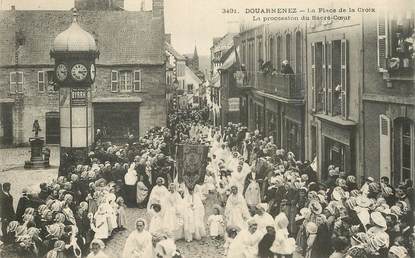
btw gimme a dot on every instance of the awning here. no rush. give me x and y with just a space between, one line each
118 100
6 100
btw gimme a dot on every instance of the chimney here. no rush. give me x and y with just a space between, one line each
167 37
158 8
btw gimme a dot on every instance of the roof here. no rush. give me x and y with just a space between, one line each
173 51
229 61
192 74
123 37
227 54
225 42
74 39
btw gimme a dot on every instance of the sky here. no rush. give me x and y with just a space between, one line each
191 22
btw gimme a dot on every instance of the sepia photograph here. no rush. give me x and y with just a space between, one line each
207 129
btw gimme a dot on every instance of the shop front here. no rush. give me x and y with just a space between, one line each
337 148
117 121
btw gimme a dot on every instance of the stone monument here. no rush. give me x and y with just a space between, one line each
37 159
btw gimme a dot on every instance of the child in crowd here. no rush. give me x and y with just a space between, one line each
121 217
216 223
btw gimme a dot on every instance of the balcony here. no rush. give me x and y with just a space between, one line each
289 86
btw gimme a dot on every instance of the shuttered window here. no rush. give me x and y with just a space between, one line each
324 78
329 85
137 80
313 77
382 41
41 81
384 146
114 81
344 78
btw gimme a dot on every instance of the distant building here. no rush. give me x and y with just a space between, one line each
129 91
220 46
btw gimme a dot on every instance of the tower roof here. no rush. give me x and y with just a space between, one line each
74 39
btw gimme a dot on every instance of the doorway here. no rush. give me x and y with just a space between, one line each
6 124
52 128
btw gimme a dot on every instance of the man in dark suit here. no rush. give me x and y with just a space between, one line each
6 207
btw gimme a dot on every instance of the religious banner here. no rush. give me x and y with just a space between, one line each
191 164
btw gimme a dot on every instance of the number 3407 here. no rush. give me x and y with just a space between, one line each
229 10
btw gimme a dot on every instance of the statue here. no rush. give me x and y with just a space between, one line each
36 128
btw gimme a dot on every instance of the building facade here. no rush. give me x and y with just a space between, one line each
129 93
274 100
388 96
360 95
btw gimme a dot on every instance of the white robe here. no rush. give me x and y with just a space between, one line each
263 221
245 245
138 245
158 195
236 211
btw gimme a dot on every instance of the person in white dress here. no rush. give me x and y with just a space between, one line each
216 223
97 247
139 242
100 224
158 194
236 210
245 245
283 245
238 178
263 218
194 227
170 217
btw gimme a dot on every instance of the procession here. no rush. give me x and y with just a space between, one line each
290 138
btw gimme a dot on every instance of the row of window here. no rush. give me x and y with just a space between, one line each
123 81
253 50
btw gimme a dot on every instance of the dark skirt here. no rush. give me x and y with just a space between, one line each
130 195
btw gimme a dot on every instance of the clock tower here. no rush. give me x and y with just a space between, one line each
74 51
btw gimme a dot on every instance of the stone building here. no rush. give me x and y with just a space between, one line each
388 94
129 91
360 94
272 98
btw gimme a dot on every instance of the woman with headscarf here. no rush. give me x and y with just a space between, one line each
283 245
158 194
58 250
263 218
171 212
236 210
139 242
245 245
130 180
97 247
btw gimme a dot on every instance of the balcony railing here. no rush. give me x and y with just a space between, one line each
288 86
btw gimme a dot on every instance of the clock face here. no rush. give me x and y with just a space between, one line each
92 71
61 72
79 72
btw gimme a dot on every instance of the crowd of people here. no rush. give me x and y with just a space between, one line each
77 213
268 204
274 205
